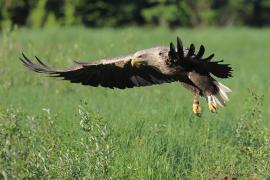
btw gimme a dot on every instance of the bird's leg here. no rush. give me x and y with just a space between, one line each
196 105
212 104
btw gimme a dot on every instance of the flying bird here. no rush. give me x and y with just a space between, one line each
148 67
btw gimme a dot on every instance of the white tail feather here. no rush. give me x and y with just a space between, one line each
218 100
221 97
223 87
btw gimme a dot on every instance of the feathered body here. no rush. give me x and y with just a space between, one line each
151 66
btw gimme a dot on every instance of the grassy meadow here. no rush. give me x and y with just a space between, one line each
51 129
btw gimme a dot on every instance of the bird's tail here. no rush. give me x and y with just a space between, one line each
221 97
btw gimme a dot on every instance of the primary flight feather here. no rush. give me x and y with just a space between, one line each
148 67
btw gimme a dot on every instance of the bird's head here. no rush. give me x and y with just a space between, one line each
140 58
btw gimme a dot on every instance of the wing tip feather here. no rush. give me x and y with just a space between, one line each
214 67
39 68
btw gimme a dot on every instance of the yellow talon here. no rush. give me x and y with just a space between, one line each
196 109
212 106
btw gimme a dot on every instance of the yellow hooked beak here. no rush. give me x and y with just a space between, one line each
136 62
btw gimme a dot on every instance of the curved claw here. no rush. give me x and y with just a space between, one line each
212 106
196 108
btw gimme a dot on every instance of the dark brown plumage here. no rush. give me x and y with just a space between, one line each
111 74
151 66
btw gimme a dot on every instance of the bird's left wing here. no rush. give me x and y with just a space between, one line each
189 58
113 73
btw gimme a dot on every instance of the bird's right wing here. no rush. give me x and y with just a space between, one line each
112 73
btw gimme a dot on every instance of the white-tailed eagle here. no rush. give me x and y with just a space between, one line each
148 67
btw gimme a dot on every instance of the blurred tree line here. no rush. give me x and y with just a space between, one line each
115 13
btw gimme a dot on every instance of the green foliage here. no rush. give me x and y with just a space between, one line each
115 13
5 22
37 151
32 147
38 14
164 14
98 145
253 139
69 12
51 21
47 132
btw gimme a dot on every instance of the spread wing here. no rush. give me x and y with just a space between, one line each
190 59
112 73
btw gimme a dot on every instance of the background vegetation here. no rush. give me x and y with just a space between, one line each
100 13
51 129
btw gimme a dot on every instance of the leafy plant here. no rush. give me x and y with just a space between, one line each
98 144
253 138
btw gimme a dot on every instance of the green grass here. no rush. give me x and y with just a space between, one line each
53 129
